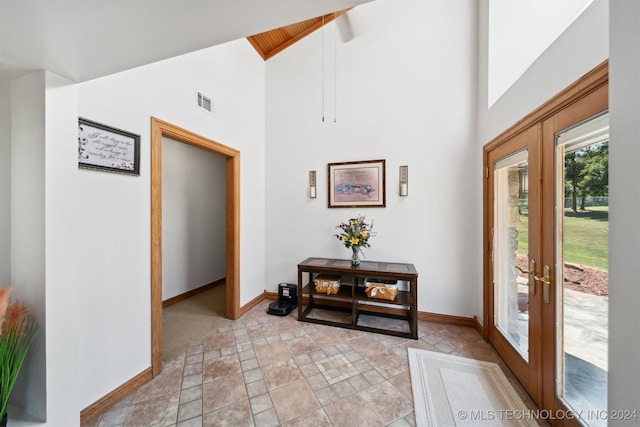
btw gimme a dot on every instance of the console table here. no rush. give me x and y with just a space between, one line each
351 307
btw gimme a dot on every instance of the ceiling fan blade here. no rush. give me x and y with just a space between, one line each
344 28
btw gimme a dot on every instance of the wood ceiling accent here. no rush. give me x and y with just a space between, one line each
275 41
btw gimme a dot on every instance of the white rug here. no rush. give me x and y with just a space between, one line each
456 391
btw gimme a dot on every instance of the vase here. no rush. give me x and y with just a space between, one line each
355 258
3 421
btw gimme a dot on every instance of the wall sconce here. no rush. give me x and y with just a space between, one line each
404 181
312 184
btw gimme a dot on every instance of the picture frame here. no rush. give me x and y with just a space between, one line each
357 184
108 149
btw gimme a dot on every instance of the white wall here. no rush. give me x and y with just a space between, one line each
72 298
579 48
193 217
97 224
5 181
28 227
405 92
233 74
624 208
521 30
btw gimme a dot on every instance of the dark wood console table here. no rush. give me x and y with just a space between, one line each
351 307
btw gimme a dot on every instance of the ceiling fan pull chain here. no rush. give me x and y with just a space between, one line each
335 68
323 68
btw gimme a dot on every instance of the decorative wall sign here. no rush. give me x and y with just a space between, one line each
105 148
357 184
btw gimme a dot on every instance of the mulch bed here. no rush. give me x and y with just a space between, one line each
581 278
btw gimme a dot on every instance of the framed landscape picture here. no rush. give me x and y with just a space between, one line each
105 148
357 184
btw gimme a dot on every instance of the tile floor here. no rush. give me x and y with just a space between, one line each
264 370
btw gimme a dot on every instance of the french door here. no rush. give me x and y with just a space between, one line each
513 207
546 228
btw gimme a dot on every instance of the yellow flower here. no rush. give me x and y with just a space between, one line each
344 237
354 240
364 234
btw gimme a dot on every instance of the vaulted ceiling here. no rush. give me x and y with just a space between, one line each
275 41
84 40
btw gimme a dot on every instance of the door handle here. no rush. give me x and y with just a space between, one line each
532 276
546 282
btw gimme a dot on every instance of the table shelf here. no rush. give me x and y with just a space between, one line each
351 307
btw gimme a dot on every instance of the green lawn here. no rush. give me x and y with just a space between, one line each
585 237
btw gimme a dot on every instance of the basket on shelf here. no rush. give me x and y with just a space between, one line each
326 284
381 289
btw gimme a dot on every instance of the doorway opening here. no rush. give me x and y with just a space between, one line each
160 129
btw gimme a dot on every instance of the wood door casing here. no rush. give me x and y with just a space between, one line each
585 98
589 106
528 371
160 129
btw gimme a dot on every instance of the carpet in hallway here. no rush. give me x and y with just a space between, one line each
185 323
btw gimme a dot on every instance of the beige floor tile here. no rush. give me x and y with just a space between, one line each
162 410
352 411
402 383
263 370
191 422
260 403
192 393
255 388
420 344
218 340
167 382
359 382
281 373
387 402
221 367
342 389
267 418
190 410
326 338
272 353
293 400
287 324
388 364
317 418
223 392
366 345
301 346
237 414
261 330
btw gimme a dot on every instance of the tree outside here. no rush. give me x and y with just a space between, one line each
586 174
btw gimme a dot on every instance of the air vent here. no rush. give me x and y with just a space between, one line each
204 102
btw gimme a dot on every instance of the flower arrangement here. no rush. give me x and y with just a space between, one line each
17 331
355 236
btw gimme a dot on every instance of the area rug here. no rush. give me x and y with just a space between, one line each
456 391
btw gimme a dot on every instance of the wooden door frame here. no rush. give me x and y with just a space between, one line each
160 129
589 106
528 371
555 109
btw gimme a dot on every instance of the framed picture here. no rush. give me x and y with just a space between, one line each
105 148
357 184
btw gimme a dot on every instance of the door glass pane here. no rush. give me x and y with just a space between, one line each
511 238
582 302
